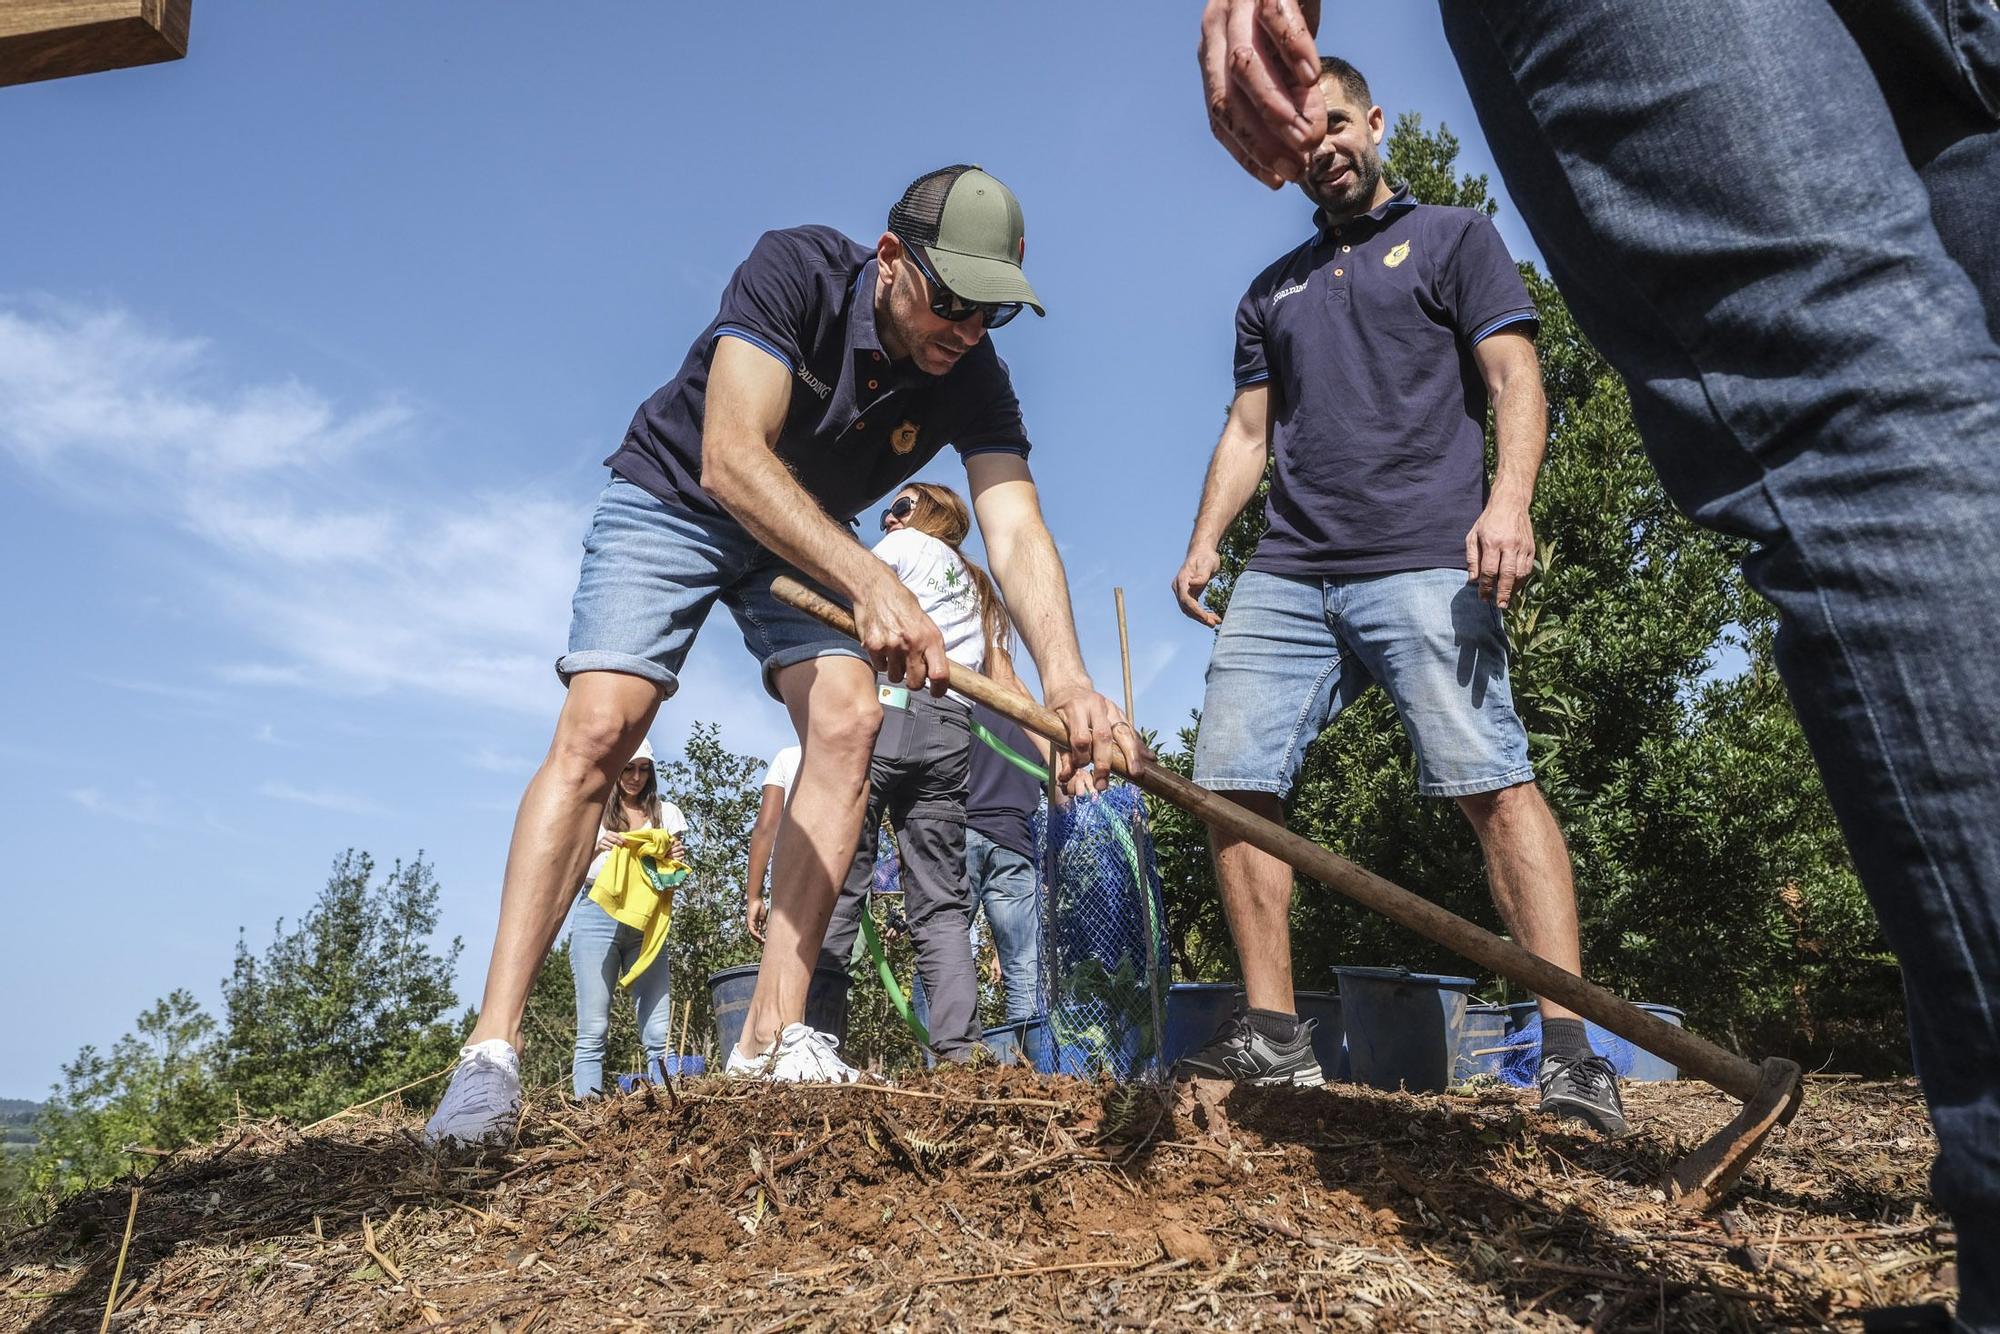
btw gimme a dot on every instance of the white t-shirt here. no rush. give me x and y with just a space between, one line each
671 820
933 571
784 768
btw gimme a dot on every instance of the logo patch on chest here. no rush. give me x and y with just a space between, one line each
904 438
1396 256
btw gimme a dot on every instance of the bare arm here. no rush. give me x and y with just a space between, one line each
748 394
1233 474
763 837
1500 549
1030 575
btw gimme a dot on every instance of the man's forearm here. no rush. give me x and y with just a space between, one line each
1233 474
1030 574
1520 438
747 479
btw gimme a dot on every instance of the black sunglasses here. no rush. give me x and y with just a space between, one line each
900 510
946 305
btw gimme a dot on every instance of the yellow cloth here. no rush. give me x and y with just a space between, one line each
636 888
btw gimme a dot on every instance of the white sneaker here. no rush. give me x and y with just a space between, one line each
799 1056
483 1104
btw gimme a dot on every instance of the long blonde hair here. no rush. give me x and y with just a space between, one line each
940 513
649 801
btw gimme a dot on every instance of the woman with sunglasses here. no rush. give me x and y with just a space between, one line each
601 948
922 759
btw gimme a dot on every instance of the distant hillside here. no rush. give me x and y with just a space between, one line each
17 1121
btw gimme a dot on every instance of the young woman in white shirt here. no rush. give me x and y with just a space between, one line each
922 756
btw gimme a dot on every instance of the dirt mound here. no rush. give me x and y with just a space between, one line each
992 1198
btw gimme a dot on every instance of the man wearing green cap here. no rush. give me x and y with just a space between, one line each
831 374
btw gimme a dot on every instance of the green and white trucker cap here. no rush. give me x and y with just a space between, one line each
970 229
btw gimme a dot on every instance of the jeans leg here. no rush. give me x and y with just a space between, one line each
1721 192
1004 882
593 960
655 1006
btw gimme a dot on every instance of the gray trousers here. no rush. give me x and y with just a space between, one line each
917 776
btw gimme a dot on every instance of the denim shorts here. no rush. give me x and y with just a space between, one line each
1294 651
651 571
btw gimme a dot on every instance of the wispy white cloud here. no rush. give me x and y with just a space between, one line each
326 799
351 586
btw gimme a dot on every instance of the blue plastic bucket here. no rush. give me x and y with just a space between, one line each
731 988
667 1067
1194 1011
1631 1062
1329 1038
1402 1027
1482 1042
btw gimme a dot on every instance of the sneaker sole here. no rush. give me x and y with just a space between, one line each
1564 1109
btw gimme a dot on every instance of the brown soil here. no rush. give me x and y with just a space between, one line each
993 1199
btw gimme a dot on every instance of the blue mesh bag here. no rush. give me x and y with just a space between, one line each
1104 960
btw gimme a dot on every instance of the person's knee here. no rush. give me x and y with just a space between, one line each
1502 802
598 731
591 1032
841 731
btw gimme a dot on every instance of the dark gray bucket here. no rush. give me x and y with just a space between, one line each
730 990
1402 1027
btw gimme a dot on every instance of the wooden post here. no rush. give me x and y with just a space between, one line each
1125 656
54 39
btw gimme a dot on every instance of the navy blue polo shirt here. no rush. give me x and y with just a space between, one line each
859 424
1000 796
1365 336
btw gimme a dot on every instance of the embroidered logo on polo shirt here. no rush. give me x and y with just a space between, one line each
814 383
1284 292
904 438
1397 255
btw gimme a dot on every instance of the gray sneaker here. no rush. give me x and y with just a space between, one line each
1239 1052
1583 1089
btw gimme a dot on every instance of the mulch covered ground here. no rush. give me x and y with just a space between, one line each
994 1199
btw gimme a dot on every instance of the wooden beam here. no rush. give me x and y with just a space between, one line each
54 39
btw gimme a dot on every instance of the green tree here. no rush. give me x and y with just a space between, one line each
352 1002
1710 873
156 1088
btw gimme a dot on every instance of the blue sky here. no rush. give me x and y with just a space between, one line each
311 344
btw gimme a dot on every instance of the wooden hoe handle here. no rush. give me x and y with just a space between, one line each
1696 1056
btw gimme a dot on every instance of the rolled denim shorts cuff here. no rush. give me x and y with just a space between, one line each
798 653
604 660
1512 778
1269 786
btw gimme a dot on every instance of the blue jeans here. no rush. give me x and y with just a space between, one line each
652 572
1294 651
601 948
1003 881
1796 275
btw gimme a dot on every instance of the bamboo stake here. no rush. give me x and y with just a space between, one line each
118 1273
1125 655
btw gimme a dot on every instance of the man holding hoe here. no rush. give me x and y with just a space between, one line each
1365 359
831 374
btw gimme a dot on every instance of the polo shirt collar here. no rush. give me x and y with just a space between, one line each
1396 203
863 342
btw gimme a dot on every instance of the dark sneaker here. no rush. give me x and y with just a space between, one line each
1239 1052
1584 1089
